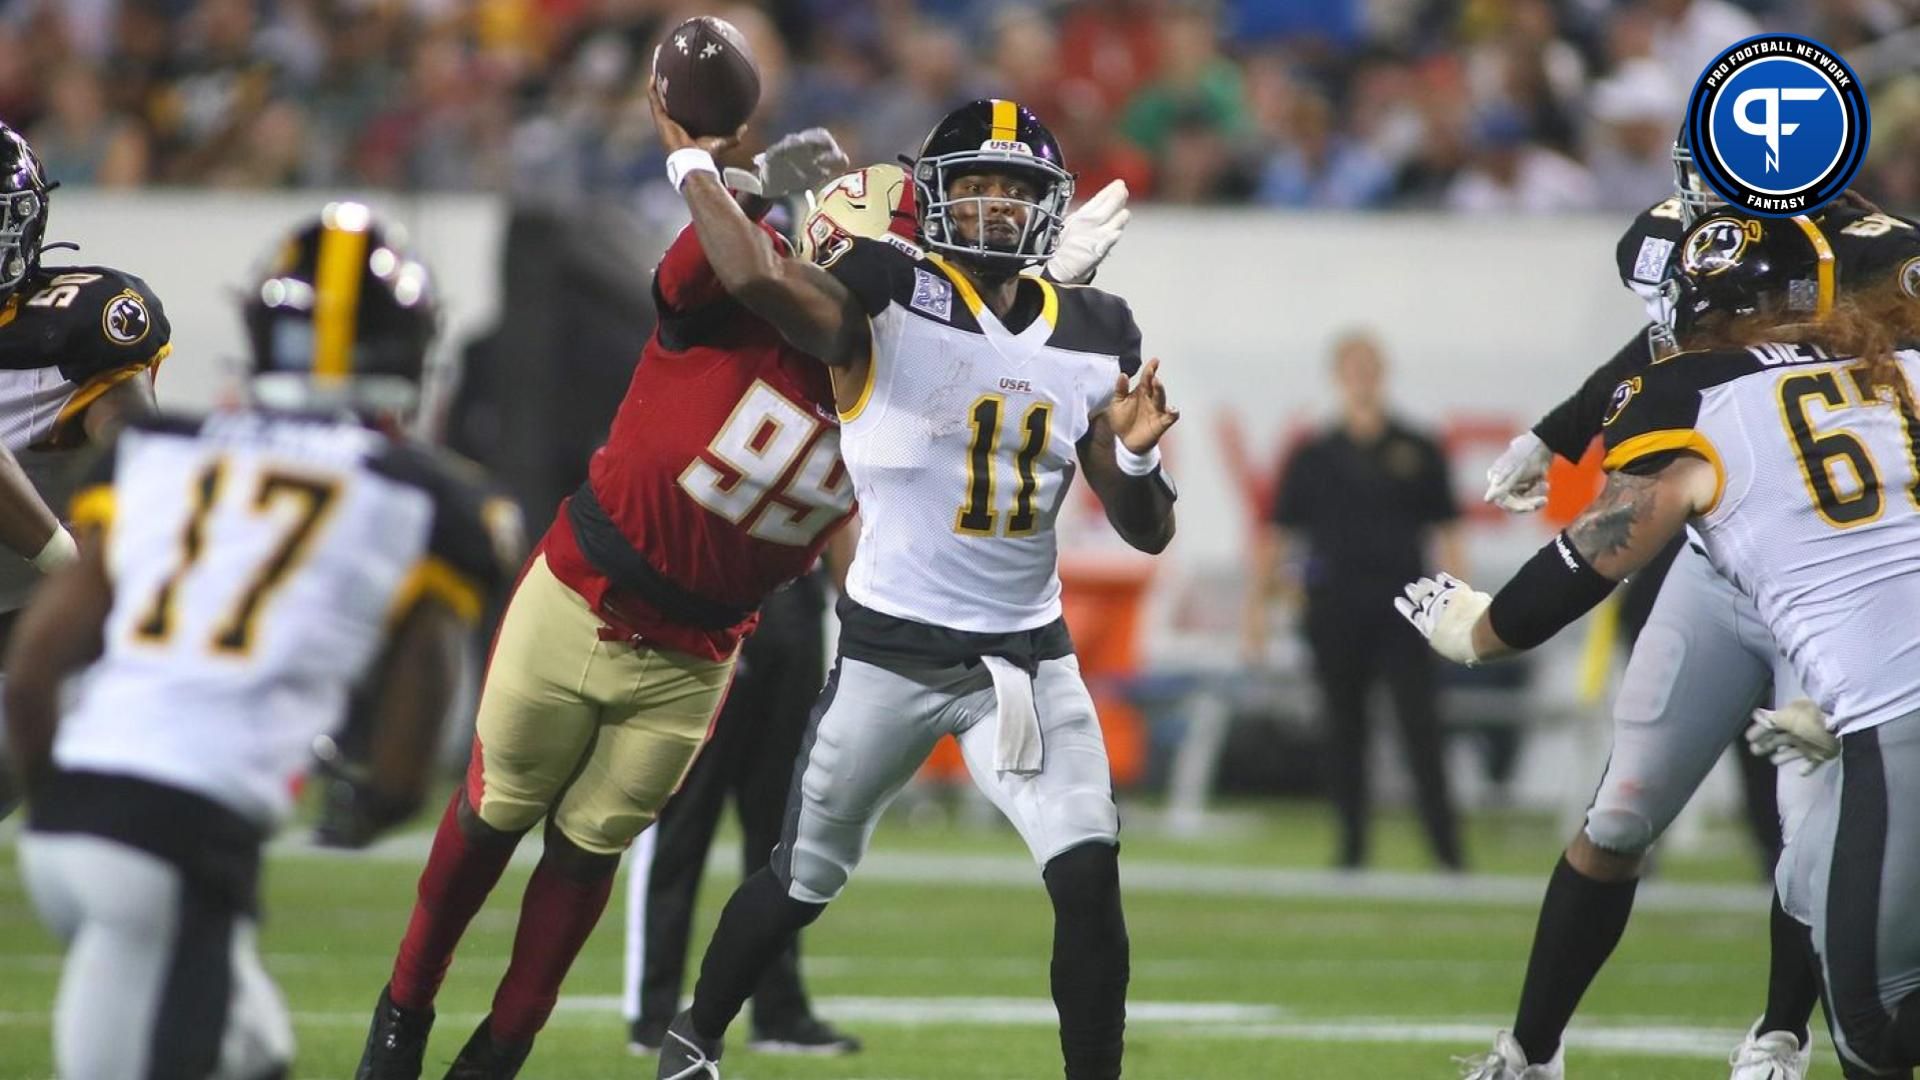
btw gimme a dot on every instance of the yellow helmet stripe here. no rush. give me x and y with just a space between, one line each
1823 275
336 303
1006 120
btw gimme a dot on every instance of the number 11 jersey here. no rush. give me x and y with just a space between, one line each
962 442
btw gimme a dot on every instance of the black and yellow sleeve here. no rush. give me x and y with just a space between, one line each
112 329
873 271
476 539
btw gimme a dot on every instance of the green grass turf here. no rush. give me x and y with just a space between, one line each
1311 967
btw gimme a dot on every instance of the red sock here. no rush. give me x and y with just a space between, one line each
458 877
556 917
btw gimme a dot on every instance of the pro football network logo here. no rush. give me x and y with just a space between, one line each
1778 125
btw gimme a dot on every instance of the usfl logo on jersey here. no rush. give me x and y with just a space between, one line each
1778 125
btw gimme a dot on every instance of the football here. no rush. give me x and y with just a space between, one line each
707 76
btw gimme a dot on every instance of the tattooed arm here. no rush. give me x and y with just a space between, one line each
1630 521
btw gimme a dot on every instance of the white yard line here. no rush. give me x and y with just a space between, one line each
1196 1020
1176 879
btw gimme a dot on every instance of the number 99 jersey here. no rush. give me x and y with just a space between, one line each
1817 513
259 562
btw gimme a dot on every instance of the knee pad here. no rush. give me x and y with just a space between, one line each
809 875
1622 832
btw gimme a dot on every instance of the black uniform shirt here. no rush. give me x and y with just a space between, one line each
1365 507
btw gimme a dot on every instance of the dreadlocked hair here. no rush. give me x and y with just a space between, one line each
1868 325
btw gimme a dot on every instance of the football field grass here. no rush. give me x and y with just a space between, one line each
1248 960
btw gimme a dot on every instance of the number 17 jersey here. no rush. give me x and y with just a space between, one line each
259 563
962 442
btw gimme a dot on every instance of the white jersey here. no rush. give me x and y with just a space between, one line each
67 335
1818 513
962 444
259 561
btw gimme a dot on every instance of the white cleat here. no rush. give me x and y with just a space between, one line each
1776 1055
1508 1062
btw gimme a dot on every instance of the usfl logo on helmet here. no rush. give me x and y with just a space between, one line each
1778 125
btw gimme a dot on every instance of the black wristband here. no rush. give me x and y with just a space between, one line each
1554 588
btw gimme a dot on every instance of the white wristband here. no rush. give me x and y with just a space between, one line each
686 161
1135 464
59 551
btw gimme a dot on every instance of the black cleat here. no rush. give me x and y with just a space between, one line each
645 1035
807 1035
396 1041
684 1055
484 1059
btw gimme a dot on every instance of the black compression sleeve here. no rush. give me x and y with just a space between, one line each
1574 422
1554 588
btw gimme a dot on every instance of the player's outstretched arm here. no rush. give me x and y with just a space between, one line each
1517 481
59 633
811 309
1121 456
1631 520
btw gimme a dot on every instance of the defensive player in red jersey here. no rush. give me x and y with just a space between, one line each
721 479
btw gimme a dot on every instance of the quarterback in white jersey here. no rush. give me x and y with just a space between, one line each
1796 459
969 394
240 577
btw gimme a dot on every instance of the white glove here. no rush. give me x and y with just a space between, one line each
1088 234
1444 609
1517 479
1796 731
799 162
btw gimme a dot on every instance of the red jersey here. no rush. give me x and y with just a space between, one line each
722 469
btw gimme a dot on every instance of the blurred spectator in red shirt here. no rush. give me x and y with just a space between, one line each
1095 150
1114 45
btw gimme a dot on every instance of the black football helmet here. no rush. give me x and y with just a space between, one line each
23 210
992 136
1739 265
1697 197
341 316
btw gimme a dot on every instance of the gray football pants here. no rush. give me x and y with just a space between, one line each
157 983
1852 873
1701 664
877 725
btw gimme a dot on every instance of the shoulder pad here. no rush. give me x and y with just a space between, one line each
86 321
873 270
476 530
1655 411
1095 321
1646 248
1873 247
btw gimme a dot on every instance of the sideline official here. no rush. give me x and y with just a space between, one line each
1363 499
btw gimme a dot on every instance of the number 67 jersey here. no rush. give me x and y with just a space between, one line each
259 561
1817 513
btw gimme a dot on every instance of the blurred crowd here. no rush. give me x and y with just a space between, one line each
1475 105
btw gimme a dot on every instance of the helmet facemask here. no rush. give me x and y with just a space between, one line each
934 177
23 221
1697 197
